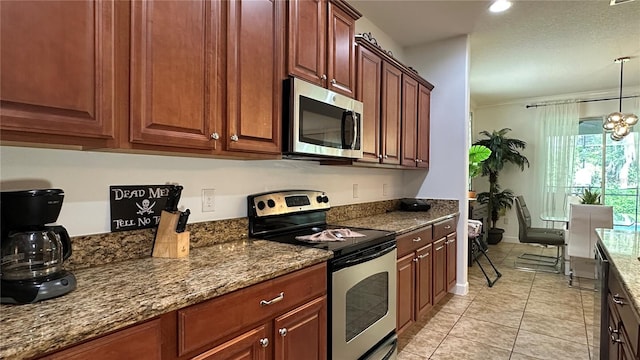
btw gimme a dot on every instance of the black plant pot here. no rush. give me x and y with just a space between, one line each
495 235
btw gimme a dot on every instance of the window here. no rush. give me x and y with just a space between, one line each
611 167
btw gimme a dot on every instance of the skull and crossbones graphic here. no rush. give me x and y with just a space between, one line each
146 208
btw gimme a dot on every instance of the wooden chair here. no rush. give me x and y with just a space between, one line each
541 236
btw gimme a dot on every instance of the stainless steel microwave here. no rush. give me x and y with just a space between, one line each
320 123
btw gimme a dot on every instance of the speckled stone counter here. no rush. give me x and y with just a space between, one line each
623 249
401 221
116 295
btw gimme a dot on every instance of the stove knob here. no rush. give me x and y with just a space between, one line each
271 203
261 205
319 198
325 199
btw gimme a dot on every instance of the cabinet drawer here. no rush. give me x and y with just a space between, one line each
213 320
444 228
619 300
412 241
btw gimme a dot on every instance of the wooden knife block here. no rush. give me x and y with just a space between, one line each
169 243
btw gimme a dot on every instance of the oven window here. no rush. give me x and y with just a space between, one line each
367 302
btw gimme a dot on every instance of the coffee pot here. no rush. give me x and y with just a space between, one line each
32 253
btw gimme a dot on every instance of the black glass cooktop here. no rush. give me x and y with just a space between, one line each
339 248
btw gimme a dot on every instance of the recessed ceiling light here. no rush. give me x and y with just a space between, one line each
500 6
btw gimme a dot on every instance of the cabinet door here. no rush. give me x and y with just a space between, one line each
306 57
424 113
439 270
252 345
451 260
424 263
368 91
137 342
302 333
341 52
58 68
254 75
175 84
406 292
391 104
409 121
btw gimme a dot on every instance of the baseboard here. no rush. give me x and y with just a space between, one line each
461 289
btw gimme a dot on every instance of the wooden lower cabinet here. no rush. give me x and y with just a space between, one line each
624 323
302 332
439 269
424 274
247 346
405 297
452 255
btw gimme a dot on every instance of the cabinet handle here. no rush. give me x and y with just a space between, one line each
439 248
420 160
283 332
447 227
323 77
264 342
417 239
386 156
613 331
272 301
614 340
616 299
420 257
333 81
234 137
215 136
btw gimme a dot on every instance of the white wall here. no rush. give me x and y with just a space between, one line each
85 177
522 122
445 64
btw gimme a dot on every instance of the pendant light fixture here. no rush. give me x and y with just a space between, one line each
618 123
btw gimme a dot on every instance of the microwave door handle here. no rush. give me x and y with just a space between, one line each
345 115
354 116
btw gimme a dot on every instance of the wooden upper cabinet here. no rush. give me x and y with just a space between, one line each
58 68
341 70
307 40
254 75
391 112
321 43
424 111
175 73
409 121
369 71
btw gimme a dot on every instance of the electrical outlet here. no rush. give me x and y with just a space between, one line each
385 189
355 191
208 200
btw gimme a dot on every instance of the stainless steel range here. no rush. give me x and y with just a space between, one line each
362 273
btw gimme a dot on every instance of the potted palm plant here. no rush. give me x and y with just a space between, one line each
477 154
504 150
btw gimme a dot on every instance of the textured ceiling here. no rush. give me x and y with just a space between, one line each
535 49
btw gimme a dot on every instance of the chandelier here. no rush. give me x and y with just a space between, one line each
618 123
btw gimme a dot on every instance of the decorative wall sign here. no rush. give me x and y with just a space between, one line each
137 206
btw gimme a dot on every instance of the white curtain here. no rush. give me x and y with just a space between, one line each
557 131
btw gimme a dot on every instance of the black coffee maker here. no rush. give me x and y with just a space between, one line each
32 253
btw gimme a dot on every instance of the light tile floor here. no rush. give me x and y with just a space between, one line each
526 315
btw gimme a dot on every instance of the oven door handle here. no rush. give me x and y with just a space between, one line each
359 260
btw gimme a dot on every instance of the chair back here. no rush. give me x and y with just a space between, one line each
583 220
524 217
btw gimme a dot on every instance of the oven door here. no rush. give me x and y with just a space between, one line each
363 297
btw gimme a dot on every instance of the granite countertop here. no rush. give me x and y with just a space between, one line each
119 294
623 248
116 295
401 221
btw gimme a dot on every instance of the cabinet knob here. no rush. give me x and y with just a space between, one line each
333 81
215 136
380 156
264 342
234 137
386 156
283 332
415 259
324 77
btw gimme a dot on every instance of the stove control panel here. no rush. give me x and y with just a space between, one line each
287 202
